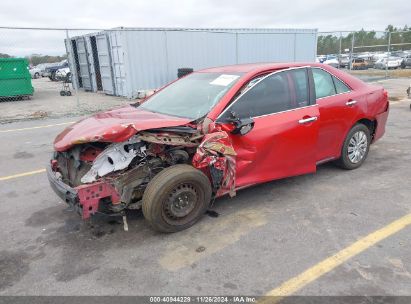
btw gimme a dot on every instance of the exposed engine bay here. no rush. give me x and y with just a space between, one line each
111 177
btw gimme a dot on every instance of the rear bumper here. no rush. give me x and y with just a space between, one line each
381 122
84 199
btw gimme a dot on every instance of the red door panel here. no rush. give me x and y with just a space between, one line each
338 114
279 145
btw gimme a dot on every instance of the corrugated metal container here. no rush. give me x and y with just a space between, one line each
123 61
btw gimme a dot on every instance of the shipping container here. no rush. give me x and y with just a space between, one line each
123 61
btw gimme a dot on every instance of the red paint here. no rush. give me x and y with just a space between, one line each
90 154
116 125
278 146
90 195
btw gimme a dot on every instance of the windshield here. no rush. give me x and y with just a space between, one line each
192 96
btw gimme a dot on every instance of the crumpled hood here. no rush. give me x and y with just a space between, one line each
116 125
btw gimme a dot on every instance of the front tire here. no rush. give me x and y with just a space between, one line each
176 198
355 148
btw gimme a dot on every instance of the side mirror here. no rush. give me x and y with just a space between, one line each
242 126
237 125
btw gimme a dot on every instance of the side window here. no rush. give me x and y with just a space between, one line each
300 82
276 93
340 86
270 95
323 82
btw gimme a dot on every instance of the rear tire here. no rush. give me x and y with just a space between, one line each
176 198
355 148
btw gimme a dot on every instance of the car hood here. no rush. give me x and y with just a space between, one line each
116 125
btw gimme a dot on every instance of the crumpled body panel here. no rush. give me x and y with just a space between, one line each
217 157
116 125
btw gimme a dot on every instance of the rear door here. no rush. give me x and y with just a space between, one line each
338 106
284 138
104 59
84 63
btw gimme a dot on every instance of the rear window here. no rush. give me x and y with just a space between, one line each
323 82
340 86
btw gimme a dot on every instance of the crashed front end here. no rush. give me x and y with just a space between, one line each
100 177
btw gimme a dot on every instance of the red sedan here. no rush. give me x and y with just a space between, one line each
211 133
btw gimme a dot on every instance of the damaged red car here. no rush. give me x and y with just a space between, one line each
211 133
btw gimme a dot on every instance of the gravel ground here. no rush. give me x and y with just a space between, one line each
47 102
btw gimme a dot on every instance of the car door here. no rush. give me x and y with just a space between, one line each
338 106
284 137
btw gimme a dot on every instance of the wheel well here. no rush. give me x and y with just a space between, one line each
370 124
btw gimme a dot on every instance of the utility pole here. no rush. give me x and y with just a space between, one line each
339 51
73 71
388 55
352 49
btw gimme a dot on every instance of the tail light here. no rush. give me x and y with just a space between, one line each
385 93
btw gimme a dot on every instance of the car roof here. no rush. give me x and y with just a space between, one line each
256 67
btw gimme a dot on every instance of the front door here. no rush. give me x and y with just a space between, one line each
284 138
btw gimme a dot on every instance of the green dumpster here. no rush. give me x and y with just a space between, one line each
15 78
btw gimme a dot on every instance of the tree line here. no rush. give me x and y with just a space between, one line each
36 59
330 43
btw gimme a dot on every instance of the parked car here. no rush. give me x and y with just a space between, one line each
344 60
390 63
359 64
35 72
332 61
63 74
50 71
212 133
406 62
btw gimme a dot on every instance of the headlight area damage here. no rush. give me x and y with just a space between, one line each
100 177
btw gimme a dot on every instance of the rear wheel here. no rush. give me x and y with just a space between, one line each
176 198
355 148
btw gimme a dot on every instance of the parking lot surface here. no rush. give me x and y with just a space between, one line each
47 102
265 236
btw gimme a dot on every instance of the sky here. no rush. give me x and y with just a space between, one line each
324 15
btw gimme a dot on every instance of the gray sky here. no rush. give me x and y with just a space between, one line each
325 15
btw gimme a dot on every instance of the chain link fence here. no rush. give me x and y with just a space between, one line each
59 72
37 79
367 54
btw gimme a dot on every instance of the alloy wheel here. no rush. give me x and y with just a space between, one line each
357 147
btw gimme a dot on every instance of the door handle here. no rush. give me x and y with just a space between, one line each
307 120
351 102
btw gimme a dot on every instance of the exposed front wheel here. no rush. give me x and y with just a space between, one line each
355 148
176 198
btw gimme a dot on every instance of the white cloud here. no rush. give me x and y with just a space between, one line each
321 14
